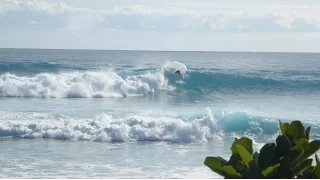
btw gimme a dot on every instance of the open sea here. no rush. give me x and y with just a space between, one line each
124 114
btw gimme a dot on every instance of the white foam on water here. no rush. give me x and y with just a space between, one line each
105 128
81 85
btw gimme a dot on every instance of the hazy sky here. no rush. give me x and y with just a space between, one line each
224 25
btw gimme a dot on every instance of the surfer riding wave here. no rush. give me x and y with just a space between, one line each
179 73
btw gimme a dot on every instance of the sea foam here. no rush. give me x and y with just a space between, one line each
108 128
81 84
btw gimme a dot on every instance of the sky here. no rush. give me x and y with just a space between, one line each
173 25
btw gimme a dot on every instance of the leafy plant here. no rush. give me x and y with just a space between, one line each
288 158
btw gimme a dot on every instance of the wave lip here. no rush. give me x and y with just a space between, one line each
173 66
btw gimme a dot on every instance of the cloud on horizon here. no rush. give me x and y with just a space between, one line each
165 25
216 18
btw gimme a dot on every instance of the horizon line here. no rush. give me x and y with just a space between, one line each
217 51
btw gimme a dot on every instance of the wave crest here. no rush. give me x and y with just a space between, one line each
80 85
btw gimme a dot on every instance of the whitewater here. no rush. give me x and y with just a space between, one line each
125 114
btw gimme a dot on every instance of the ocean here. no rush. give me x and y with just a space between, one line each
125 114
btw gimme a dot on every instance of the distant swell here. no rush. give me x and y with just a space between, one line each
106 128
34 67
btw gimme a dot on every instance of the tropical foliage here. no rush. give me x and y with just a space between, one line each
289 157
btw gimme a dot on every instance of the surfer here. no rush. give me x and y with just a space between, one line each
178 72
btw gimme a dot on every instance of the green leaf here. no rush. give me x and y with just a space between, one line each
303 167
231 172
267 156
245 155
234 159
308 132
303 142
295 130
270 171
283 145
285 168
296 152
317 159
309 173
317 171
236 162
244 142
256 160
252 175
283 127
216 164
310 149
286 163
313 148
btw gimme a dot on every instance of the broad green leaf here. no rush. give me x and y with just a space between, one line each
283 145
231 172
267 156
234 159
283 127
303 142
245 155
308 132
296 153
302 167
215 164
309 173
317 159
313 148
285 168
252 175
244 142
295 130
317 171
256 160
270 171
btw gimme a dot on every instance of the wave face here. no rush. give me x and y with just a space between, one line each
106 128
201 81
81 83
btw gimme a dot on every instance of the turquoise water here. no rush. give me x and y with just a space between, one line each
86 113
